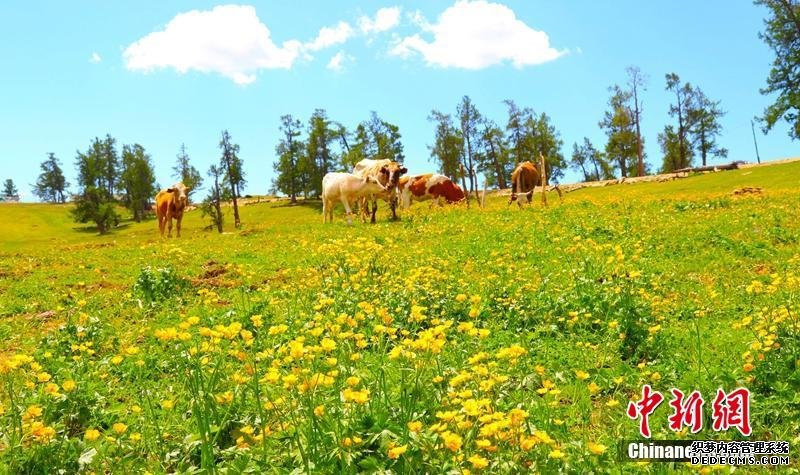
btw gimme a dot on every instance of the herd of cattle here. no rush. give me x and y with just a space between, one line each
370 180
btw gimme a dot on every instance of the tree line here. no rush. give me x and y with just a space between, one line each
304 154
464 143
108 178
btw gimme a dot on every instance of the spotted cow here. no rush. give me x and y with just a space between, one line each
430 186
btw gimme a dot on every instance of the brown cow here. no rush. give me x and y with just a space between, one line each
387 173
428 186
170 203
525 178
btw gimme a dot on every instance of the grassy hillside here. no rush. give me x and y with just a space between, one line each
494 340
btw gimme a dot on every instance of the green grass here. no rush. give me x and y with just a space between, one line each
701 283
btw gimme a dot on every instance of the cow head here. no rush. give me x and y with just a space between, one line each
180 192
391 174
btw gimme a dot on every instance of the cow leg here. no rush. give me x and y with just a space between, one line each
324 211
393 206
178 224
374 209
161 225
347 210
363 208
168 219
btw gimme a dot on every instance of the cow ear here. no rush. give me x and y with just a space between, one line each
404 170
170 190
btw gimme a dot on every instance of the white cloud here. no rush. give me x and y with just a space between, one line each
330 36
95 58
338 61
475 35
385 19
229 40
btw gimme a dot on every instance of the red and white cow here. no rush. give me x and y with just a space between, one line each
387 173
430 186
170 203
347 188
523 181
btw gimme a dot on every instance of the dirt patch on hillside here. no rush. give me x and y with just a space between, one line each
747 190
212 270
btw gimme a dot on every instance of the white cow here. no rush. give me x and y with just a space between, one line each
347 188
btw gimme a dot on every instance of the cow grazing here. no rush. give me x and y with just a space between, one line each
387 173
523 181
347 188
430 186
171 203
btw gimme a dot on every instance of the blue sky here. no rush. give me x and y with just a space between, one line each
153 73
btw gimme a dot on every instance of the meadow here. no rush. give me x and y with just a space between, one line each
456 340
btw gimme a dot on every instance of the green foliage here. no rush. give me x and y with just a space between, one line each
530 135
681 110
138 180
186 173
469 119
590 162
448 145
158 284
230 168
289 179
670 148
782 34
319 156
704 117
494 159
97 179
618 122
9 189
211 205
544 139
51 185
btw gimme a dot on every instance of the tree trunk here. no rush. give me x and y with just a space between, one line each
544 180
498 169
469 165
464 183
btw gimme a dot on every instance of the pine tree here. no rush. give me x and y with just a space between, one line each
212 206
673 159
590 162
542 138
95 199
622 145
231 169
51 185
682 110
448 145
494 159
704 118
782 35
519 150
290 152
637 83
9 189
138 180
186 173
319 154
469 119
